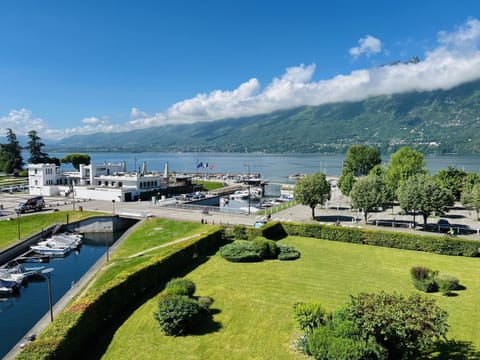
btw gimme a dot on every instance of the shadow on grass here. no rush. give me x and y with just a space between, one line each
208 325
102 339
453 350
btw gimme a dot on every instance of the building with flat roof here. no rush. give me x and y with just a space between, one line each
100 182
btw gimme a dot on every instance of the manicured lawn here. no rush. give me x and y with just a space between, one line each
32 223
155 232
145 242
253 302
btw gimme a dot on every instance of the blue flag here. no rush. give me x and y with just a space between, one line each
200 165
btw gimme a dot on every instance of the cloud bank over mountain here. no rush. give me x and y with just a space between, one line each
455 60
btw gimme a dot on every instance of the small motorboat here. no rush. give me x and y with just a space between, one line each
47 248
7 287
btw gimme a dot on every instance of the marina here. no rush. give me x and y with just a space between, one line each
27 302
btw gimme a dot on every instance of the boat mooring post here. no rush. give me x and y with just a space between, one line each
47 271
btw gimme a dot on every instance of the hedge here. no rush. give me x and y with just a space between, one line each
71 332
408 241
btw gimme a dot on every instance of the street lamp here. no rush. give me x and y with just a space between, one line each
47 271
73 195
248 166
106 228
18 223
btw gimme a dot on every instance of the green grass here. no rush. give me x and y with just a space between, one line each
155 232
253 302
209 185
147 241
32 223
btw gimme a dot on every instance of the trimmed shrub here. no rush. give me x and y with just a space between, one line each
241 251
424 279
325 344
308 316
447 283
433 244
181 286
287 252
177 314
268 248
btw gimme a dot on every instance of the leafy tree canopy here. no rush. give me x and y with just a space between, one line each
471 198
369 193
360 159
403 164
312 190
423 193
452 179
76 160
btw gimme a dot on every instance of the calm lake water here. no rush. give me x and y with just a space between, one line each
272 167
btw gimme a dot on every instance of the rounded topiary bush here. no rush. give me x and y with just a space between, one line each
286 252
177 314
241 251
268 248
181 286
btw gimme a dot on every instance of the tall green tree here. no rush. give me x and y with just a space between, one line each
76 160
359 160
34 147
403 164
471 198
369 193
11 154
312 190
424 194
452 179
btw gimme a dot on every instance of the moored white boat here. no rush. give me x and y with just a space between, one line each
50 249
5 275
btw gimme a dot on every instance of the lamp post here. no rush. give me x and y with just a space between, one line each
18 223
47 271
73 196
248 167
113 207
106 228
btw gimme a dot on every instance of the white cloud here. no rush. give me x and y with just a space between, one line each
136 114
21 121
367 45
91 120
455 60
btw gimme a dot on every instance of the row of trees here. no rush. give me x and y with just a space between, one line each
11 160
405 179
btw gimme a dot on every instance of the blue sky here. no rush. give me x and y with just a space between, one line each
75 67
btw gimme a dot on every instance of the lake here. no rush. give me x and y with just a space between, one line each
272 167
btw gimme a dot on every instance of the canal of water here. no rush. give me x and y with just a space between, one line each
19 313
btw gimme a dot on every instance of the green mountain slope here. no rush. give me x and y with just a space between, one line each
443 121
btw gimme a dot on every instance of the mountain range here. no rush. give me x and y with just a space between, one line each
441 121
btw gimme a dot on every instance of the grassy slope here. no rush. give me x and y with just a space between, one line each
254 301
30 224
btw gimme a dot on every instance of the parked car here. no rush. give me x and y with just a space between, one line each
35 203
